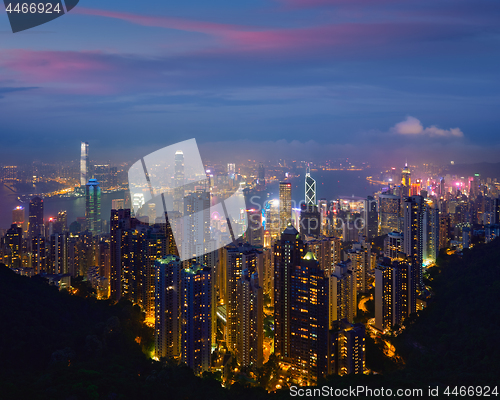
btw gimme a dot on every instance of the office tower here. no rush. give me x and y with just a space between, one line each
120 222
310 188
255 231
35 218
117 204
167 307
18 216
310 224
250 320
231 170
238 258
371 218
474 186
343 292
347 343
13 241
57 261
84 163
196 228
285 205
413 245
325 221
393 245
444 230
431 233
261 174
93 206
405 181
288 253
178 181
196 317
388 213
309 322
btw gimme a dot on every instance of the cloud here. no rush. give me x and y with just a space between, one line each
413 127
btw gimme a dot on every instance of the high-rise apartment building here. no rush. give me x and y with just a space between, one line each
288 253
389 211
309 322
342 292
168 307
413 245
179 179
35 217
196 317
196 225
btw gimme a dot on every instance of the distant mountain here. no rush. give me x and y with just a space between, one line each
486 170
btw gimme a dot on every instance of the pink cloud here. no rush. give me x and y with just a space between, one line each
413 127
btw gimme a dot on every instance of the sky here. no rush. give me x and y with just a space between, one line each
378 80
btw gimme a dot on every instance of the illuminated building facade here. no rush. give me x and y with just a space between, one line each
178 181
196 228
196 317
389 210
342 292
310 188
413 245
288 253
347 341
35 217
250 333
167 307
93 206
309 319
393 245
285 205
84 163
18 216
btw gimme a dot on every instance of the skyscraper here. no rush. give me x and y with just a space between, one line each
390 284
371 218
196 228
431 233
309 323
262 174
35 218
18 216
285 205
250 318
405 181
343 292
389 206
310 188
288 253
196 314
84 163
310 221
178 181
167 307
413 245
93 206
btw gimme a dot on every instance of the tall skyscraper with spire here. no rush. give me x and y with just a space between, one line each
84 163
310 188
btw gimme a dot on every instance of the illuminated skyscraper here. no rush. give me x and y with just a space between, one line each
413 245
196 229
196 317
288 253
310 192
406 181
167 307
262 174
13 241
250 320
179 179
389 207
285 205
371 218
231 170
57 261
431 233
117 204
310 221
343 292
18 216
393 245
84 163
347 343
35 221
309 319
93 206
